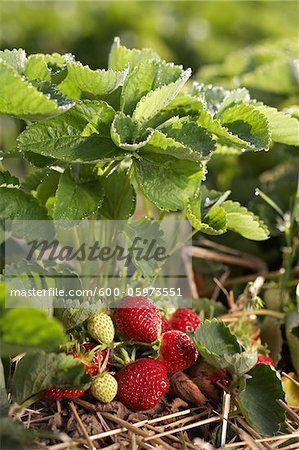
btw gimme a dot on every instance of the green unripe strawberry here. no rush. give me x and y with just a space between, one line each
104 387
101 328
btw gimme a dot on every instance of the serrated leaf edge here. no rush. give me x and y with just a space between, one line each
186 74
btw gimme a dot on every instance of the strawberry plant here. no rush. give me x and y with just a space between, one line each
155 134
93 143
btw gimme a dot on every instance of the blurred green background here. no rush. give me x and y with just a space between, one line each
232 43
190 33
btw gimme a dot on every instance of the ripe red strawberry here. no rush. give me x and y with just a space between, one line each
138 319
177 351
221 376
184 319
142 383
91 364
55 392
165 324
262 359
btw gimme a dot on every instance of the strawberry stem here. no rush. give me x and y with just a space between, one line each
125 354
105 362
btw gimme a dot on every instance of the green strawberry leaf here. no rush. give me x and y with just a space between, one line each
18 205
81 134
47 186
76 200
216 219
283 127
120 197
208 308
221 348
146 77
47 67
192 216
210 96
74 312
213 223
15 58
183 139
14 435
168 182
120 56
226 137
6 179
49 89
159 143
127 133
152 103
257 400
216 99
220 215
279 76
182 105
38 371
21 99
214 337
96 82
211 198
238 364
39 161
248 123
234 97
37 68
234 122
24 330
244 222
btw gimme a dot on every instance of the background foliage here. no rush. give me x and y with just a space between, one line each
233 44
226 42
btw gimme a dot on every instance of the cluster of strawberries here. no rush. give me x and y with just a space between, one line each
138 384
162 347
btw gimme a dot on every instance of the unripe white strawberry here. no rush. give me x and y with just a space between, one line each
104 387
101 328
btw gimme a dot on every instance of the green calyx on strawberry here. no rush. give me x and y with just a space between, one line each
184 319
104 387
100 328
138 319
92 357
141 384
177 351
